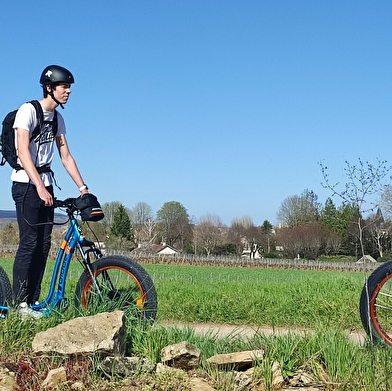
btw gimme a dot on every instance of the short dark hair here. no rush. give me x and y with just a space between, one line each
52 86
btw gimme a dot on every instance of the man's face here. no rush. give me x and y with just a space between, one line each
61 92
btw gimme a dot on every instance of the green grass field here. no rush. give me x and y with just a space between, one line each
258 296
299 298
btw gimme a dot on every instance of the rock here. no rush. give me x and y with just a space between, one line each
103 332
183 355
198 384
77 386
303 378
7 378
241 381
162 368
237 361
54 378
126 366
277 376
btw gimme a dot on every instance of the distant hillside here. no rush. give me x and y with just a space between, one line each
9 216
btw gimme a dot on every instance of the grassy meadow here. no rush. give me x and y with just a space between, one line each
299 298
322 301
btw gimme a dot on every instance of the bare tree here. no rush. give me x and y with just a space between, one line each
142 221
297 210
208 233
149 231
378 232
305 241
290 242
332 242
245 235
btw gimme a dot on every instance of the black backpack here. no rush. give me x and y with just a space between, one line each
7 141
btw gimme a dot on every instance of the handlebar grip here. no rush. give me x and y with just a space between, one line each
58 203
67 203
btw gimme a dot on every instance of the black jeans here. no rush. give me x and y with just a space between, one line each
35 222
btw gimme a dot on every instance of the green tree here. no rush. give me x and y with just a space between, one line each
349 222
363 180
266 227
121 224
173 224
109 209
329 214
121 231
268 237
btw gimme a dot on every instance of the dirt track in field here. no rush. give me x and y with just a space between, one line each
226 330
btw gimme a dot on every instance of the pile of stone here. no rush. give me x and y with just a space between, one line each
106 334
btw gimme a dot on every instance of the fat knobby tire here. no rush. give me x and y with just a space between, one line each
5 289
141 286
372 315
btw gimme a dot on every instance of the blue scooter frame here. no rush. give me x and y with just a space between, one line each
73 239
106 283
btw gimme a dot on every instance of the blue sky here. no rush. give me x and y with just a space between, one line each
224 106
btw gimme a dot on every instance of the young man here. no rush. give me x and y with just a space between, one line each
32 187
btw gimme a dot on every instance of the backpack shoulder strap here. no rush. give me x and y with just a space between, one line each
55 124
40 118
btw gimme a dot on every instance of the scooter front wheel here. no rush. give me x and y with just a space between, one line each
376 304
117 283
5 289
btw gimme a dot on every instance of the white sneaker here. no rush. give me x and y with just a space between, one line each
26 312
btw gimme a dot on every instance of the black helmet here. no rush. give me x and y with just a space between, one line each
56 74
